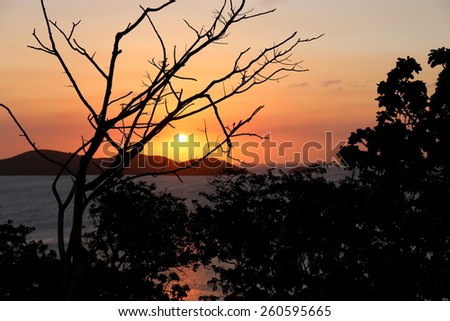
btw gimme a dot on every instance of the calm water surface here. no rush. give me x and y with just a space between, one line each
29 200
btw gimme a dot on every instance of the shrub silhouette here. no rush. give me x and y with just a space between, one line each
137 244
268 233
138 239
29 271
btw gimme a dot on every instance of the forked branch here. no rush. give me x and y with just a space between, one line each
139 116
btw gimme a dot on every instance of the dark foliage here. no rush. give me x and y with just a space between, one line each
409 145
139 239
297 237
404 158
266 242
29 271
138 243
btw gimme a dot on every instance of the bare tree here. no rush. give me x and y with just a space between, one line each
138 117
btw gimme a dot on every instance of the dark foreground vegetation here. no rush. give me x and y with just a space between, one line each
383 234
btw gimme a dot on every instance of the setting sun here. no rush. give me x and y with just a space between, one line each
182 138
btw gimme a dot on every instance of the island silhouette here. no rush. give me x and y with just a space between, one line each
31 163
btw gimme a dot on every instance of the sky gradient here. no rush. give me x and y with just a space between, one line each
362 41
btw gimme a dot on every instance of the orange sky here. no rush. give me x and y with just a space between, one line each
362 41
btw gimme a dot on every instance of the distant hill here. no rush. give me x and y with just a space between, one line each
31 163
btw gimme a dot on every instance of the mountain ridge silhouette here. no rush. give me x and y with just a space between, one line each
31 163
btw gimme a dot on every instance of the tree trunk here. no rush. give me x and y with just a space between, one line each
75 262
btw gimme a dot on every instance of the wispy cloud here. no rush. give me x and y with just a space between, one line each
328 83
358 84
299 85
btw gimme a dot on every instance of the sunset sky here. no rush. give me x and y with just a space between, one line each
362 41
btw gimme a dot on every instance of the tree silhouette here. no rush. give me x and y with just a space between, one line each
138 117
407 144
269 233
138 243
382 234
404 167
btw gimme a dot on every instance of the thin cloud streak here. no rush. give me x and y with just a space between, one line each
299 85
328 83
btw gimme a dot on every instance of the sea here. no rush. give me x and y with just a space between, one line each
29 200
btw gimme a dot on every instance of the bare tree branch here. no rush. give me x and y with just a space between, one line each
54 51
75 46
31 143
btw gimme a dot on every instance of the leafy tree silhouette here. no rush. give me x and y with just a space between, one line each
403 164
412 130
